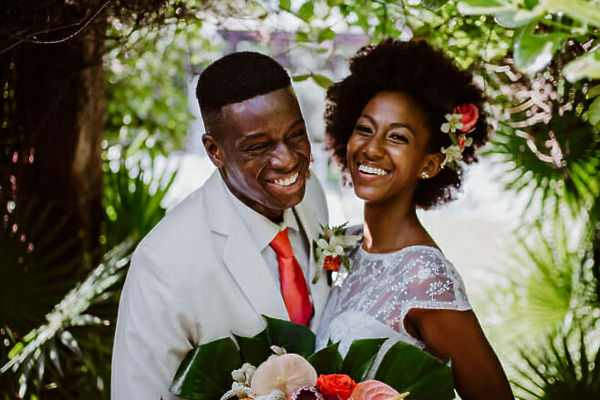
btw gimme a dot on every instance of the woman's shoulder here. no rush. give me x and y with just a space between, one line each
428 257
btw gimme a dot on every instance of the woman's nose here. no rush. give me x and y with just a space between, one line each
374 147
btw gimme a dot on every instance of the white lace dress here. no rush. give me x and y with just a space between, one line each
374 299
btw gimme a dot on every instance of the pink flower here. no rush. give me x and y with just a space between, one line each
469 116
461 141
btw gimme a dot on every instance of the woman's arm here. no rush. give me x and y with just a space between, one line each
457 335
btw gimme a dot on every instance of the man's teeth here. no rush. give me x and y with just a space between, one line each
372 170
286 181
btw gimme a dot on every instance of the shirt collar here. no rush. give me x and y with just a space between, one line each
263 229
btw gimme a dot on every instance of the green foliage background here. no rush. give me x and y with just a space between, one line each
539 62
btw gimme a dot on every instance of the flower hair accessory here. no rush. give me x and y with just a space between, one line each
330 249
460 123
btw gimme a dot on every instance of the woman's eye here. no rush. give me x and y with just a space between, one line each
363 129
398 138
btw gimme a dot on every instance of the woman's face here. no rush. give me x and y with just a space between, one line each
386 153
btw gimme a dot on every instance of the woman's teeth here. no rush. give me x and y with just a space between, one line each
372 170
286 181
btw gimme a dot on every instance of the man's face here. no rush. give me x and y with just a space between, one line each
263 151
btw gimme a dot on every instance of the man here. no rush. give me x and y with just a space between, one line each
212 266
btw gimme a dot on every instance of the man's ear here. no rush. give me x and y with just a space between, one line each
213 149
433 165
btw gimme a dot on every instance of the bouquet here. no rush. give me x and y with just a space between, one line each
241 367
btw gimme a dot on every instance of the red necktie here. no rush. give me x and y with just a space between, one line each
293 284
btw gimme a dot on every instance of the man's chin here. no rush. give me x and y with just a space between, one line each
287 199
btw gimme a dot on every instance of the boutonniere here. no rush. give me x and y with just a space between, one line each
330 248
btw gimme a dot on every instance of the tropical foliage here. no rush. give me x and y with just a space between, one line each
539 62
404 367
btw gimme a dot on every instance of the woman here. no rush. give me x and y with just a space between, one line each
400 124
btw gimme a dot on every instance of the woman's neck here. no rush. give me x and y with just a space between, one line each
389 228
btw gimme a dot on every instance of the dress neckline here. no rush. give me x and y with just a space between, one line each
396 252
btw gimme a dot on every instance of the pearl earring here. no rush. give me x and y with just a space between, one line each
424 175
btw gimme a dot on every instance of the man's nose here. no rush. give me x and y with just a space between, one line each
283 157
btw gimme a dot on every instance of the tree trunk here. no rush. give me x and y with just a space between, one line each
59 93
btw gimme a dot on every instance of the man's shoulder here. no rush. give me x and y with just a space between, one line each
184 221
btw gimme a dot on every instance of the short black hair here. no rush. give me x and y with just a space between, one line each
237 77
432 79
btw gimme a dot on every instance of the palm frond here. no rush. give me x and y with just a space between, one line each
561 368
133 197
36 268
49 341
547 283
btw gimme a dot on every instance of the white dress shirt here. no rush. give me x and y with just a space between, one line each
264 231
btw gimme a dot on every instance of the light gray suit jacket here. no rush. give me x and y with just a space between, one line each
195 277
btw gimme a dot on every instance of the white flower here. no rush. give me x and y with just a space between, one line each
332 242
453 154
244 374
453 123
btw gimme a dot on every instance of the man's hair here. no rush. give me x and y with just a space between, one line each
238 77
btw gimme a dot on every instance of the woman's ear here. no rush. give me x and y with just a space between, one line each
432 165
213 149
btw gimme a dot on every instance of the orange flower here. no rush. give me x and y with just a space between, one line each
336 386
332 263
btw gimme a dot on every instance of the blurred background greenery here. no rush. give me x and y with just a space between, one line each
96 121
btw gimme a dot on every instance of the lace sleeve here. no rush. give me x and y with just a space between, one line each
432 282
387 286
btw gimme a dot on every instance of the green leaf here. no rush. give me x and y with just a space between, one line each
285 4
530 4
306 11
360 358
17 348
302 37
321 80
294 338
327 360
408 368
433 4
254 350
533 52
199 377
515 18
325 34
482 7
593 92
593 113
580 10
586 66
300 78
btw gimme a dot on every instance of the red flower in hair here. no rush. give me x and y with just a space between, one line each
469 116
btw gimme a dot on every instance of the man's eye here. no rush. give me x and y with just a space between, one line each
256 147
298 133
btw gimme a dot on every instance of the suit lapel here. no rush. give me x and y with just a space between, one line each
244 261
320 290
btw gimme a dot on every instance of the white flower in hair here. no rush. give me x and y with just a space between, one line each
454 123
453 154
